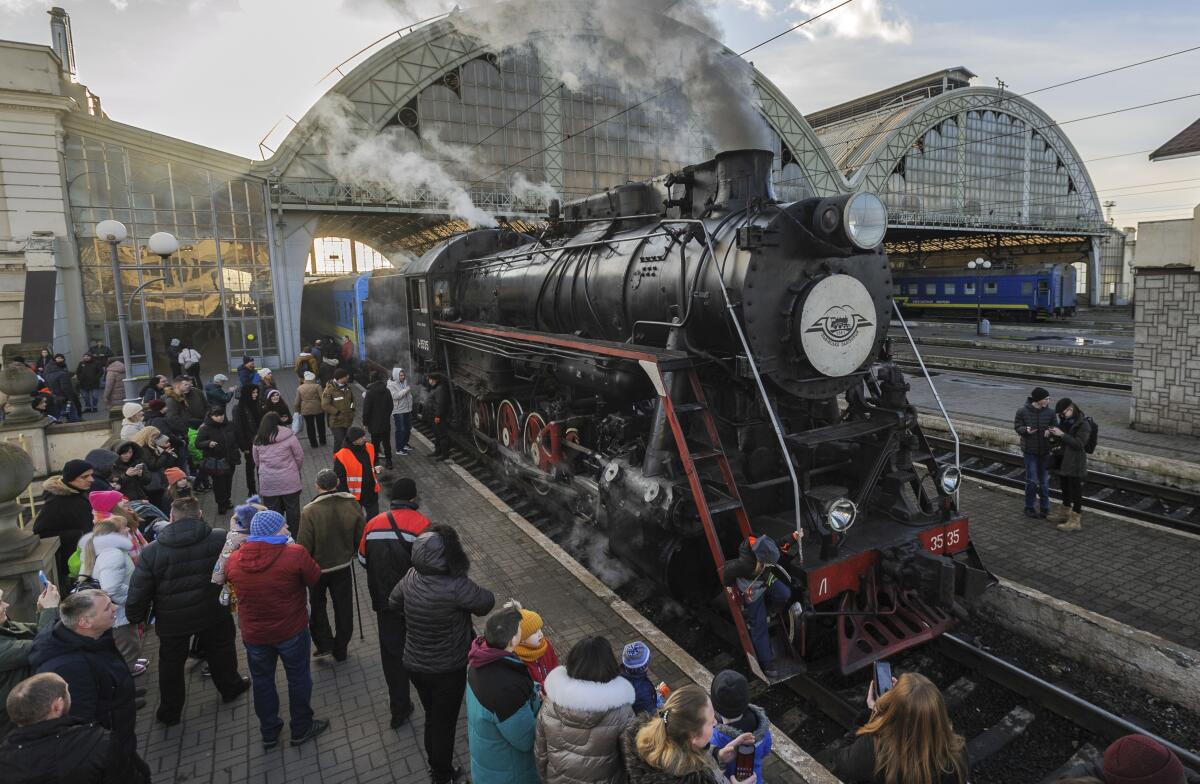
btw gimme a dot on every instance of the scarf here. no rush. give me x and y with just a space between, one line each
269 539
531 653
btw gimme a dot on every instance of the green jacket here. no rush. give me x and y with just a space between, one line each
331 527
16 639
339 403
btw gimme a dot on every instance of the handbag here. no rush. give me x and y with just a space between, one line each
215 466
297 424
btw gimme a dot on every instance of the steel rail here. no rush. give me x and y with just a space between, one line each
991 373
1057 700
1159 492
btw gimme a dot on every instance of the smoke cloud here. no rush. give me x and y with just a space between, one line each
538 195
392 160
860 20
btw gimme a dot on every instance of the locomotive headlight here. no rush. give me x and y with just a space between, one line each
865 220
840 514
948 479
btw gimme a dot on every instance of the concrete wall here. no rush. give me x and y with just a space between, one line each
1171 242
1166 356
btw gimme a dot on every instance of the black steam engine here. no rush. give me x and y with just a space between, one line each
687 363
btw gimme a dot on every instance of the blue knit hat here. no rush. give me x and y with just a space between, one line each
244 513
635 656
266 523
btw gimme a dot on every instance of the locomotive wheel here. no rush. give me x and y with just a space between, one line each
483 423
508 425
531 444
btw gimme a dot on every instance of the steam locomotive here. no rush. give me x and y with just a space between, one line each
687 363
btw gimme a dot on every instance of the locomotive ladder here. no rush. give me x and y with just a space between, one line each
691 456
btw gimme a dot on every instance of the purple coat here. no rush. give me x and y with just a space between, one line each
279 464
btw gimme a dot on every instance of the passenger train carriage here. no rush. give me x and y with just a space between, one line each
1035 293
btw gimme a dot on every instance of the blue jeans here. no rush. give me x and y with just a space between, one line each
1037 480
91 398
403 423
295 656
772 600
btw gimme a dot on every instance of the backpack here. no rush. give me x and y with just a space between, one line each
85 583
1094 436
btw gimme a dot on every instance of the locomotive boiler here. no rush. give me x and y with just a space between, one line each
688 363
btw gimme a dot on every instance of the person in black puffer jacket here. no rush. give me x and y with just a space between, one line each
377 418
216 440
131 482
1032 423
174 574
247 416
437 600
438 412
65 513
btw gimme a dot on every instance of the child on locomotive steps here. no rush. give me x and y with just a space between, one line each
762 593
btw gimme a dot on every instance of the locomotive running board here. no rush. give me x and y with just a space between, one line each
864 638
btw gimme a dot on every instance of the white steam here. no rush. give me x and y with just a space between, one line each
536 194
391 159
859 20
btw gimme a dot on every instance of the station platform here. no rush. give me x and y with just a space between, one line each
221 743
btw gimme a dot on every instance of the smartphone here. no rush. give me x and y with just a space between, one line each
743 764
42 578
883 678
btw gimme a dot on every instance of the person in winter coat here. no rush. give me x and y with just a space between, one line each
16 640
910 716
80 650
156 453
50 747
189 363
1032 423
101 461
502 705
535 648
736 717
217 441
437 600
44 358
385 550
764 590
247 373
377 417
239 530
331 528
128 472
90 374
114 385
274 403
402 403
305 363
173 581
155 389
132 415
337 400
65 513
1130 759
106 560
58 379
270 577
439 413
326 369
672 746
187 395
1071 434
247 416
173 349
307 404
266 381
588 704
635 665
279 458
357 471
215 393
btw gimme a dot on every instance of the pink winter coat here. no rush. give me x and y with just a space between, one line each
279 464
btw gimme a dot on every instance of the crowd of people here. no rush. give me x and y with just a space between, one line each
136 552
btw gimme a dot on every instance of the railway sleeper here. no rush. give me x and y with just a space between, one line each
1000 734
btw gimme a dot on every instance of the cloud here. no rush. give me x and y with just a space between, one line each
15 7
859 20
761 7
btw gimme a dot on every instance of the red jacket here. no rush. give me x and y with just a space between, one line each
271 581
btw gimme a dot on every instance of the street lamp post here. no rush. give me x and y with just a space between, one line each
114 233
978 265
162 244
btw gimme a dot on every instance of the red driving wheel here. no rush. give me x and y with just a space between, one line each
508 425
483 424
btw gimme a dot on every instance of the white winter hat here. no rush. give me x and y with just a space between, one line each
131 410
264 371
220 378
309 376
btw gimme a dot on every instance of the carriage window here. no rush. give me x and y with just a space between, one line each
968 288
989 288
896 289
914 288
441 293
416 294
951 289
1026 287
931 289
1043 286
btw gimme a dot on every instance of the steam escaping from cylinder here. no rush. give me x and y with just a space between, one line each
644 47
393 160
535 194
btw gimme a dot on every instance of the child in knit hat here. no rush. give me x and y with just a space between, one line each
738 720
239 529
535 648
635 666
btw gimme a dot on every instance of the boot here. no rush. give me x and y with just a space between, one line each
1074 522
1061 516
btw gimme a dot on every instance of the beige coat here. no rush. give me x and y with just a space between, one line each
114 384
308 399
579 729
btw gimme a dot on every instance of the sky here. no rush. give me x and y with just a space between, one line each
222 72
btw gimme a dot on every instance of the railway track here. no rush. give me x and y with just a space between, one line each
1029 707
931 364
1167 506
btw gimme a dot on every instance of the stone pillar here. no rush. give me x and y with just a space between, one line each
1166 355
22 553
22 425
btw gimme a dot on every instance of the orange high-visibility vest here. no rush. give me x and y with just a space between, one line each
355 470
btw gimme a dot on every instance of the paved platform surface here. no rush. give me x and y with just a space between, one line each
221 743
1047 336
994 401
1141 575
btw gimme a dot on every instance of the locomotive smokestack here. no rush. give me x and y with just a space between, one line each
742 176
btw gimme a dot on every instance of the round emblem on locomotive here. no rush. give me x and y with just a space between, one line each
837 325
